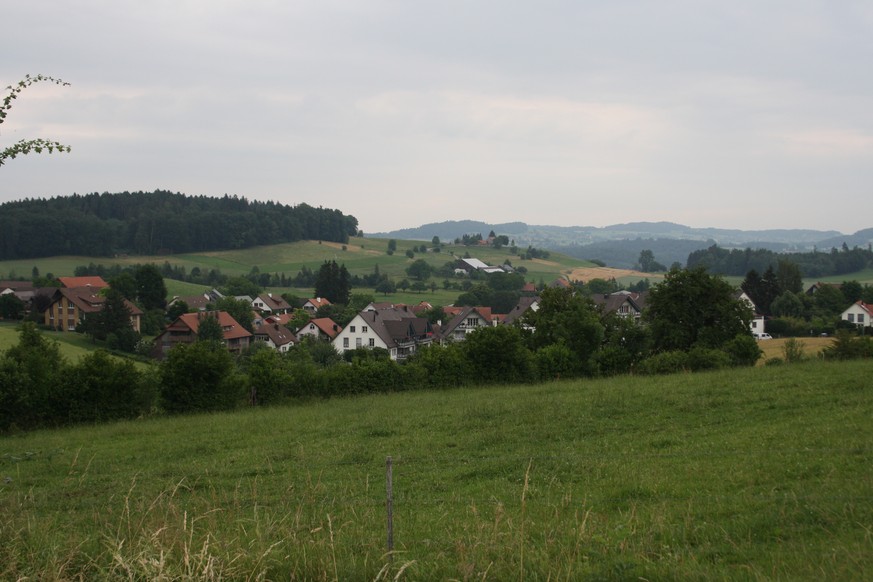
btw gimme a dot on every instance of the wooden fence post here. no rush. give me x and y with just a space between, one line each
390 507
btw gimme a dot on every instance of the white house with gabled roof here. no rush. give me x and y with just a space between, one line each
859 313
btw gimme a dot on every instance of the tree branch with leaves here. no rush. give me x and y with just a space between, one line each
27 146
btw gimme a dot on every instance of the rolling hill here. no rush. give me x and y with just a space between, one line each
619 245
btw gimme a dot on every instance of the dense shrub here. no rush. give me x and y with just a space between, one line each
613 360
665 363
498 354
556 361
102 388
743 350
200 377
30 375
39 388
443 366
700 358
847 346
793 351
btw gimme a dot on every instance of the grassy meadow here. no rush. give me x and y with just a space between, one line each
72 345
753 474
360 256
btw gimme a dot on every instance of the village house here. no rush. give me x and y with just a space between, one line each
756 326
525 305
320 328
276 336
267 303
200 302
465 320
67 307
623 303
859 313
24 291
397 330
73 282
184 330
313 305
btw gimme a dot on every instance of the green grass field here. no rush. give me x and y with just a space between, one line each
73 345
360 257
753 474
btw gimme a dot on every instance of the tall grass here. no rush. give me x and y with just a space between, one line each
758 473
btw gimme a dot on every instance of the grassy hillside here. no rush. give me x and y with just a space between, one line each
360 256
746 474
73 345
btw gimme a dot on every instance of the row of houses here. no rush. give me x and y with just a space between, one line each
399 329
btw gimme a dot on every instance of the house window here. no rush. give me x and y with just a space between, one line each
850 318
860 318
359 342
345 342
352 328
364 329
472 321
754 325
372 343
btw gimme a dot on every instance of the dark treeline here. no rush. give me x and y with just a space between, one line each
813 264
158 222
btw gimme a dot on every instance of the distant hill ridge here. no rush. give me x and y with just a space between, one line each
619 245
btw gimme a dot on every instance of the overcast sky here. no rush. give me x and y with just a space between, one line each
741 114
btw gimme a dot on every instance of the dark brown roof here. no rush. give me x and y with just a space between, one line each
274 302
397 325
278 334
89 299
524 304
17 285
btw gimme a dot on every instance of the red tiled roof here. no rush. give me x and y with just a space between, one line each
230 327
327 325
70 282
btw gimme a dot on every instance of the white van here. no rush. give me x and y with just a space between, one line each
763 336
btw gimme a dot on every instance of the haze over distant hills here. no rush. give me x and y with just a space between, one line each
619 245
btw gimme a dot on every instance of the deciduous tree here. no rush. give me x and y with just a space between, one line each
27 146
693 308
151 291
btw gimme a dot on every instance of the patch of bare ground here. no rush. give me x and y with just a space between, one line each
585 274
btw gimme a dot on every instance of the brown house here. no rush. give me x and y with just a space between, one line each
184 330
69 305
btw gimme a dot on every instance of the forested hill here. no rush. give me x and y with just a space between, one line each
160 221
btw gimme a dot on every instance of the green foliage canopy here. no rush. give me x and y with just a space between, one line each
691 307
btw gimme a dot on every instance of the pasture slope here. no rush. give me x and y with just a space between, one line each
753 474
